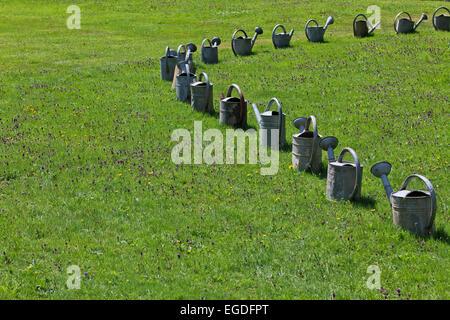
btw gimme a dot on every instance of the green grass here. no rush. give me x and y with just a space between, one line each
87 178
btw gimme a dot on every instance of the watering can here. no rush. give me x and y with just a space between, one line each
362 28
306 153
202 95
185 57
281 40
243 46
413 210
233 111
168 63
316 33
183 82
210 54
270 120
406 25
344 178
441 22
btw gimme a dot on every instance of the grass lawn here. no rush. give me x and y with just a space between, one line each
86 176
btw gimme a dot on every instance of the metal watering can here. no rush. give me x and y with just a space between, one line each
281 40
243 46
344 178
183 82
233 111
362 28
413 210
210 54
441 22
306 153
270 120
168 63
316 33
405 25
185 58
202 95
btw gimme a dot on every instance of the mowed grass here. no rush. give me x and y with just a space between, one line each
86 176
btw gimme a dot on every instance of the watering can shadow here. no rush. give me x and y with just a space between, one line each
316 33
271 120
243 45
441 22
281 40
413 210
407 25
363 28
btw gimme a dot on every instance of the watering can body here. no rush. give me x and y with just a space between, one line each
406 25
316 33
281 40
344 178
306 153
233 111
168 63
202 95
414 210
210 54
441 22
183 84
271 120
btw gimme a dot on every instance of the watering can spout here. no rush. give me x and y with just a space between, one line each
381 170
423 17
257 114
329 144
258 30
291 33
330 20
374 27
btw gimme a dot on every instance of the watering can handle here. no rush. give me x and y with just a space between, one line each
273 32
396 18
358 168
167 58
315 137
356 18
203 45
280 114
232 38
179 49
433 196
306 27
434 14
241 97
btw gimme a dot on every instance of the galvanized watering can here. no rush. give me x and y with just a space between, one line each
270 120
281 40
316 33
202 95
362 28
233 111
441 22
185 58
413 210
344 178
243 46
210 54
406 25
183 82
306 153
168 63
